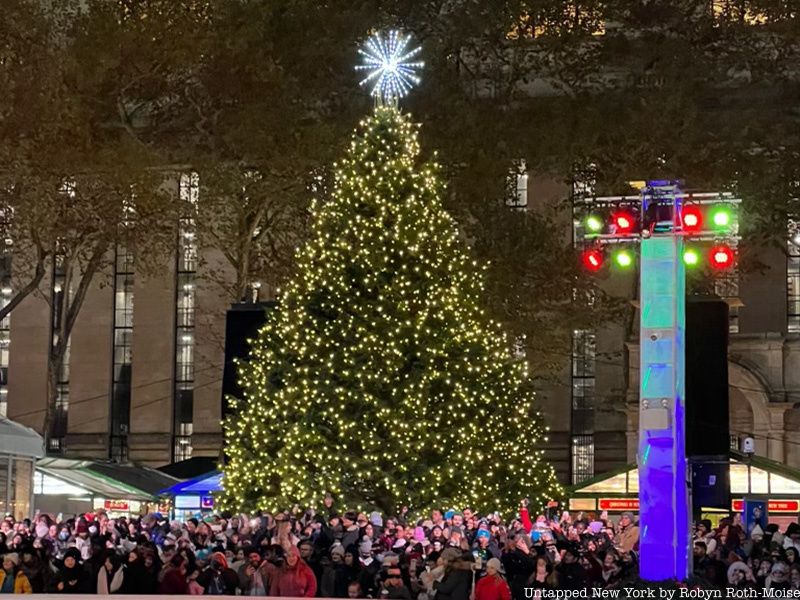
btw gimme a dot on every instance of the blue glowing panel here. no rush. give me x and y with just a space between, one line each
663 498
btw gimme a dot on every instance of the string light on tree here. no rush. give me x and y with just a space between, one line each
391 70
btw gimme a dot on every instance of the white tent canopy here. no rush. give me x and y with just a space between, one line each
18 440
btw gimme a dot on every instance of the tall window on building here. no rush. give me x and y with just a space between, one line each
58 428
583 353
517 185
5 343
583 405
6 291
59 294
122 354
793 283
183 404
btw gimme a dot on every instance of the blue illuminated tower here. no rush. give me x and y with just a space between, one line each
662 221
664 503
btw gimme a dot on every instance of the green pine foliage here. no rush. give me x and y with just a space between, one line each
380 378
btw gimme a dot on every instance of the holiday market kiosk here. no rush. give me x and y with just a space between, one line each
617 491
20 446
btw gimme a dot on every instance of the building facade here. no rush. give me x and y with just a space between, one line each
142 380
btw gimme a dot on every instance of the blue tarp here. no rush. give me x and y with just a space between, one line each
199 486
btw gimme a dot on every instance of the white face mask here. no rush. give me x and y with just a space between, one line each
42 530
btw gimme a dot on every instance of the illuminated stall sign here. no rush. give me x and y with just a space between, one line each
117 505
618 504
773 506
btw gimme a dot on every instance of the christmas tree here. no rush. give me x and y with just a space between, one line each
379 378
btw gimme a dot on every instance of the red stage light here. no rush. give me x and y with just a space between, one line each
692 218
593 260
624 221
721 257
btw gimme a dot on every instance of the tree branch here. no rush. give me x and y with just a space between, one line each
29 287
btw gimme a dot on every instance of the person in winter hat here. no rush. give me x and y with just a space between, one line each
740 576
779 577
369 566
218 579
485 547
628 537
294 578
330 571
82 541
494 585
12 579
71 576
791 538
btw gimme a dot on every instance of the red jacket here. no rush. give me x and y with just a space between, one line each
492 587
174 583
298 581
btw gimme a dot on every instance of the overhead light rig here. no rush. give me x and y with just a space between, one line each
707 221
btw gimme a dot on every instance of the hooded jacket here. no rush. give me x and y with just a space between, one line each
492 587
74 580
298 581
21 583
220 574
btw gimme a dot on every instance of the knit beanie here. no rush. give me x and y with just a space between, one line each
13 557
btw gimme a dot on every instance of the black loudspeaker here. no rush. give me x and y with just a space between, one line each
707 408
241 324
711 484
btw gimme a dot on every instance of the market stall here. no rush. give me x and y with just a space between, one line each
20 446
193 497
68 486
618 491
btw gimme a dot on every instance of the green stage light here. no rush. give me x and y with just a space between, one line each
594 223
624 258
721 216
691 257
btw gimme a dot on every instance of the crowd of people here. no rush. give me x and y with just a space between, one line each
444 555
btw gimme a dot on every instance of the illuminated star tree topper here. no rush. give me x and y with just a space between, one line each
390 69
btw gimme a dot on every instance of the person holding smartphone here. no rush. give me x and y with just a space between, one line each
483 549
